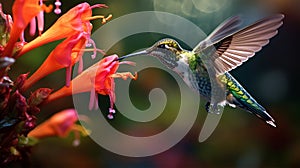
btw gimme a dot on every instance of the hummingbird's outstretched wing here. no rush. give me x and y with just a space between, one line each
233 47
226 28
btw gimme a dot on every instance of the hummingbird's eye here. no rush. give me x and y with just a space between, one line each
162 46
165 46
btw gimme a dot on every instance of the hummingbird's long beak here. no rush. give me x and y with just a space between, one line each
133 54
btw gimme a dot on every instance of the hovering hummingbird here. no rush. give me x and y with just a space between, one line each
226 48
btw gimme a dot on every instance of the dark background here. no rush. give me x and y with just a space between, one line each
240 140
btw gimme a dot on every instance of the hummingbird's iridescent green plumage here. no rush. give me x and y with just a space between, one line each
223 50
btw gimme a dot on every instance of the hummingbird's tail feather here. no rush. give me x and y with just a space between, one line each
240 97
253 107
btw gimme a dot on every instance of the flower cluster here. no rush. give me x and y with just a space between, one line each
18 128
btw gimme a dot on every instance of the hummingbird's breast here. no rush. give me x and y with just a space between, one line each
200 82
183 70
191 69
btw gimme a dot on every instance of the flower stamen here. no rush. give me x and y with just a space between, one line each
124 75
104 19
99 6
46 8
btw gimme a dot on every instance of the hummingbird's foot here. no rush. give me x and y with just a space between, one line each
215 108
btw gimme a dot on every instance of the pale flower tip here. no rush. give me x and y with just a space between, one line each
93 56
112 111
110 116
76 142
57 11
88 45
57 3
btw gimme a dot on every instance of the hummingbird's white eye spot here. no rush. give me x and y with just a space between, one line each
166 46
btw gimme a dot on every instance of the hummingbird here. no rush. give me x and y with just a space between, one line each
226 48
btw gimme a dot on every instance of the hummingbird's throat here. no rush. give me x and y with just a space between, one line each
165 59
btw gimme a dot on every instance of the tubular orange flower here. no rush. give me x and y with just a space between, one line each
60 125
76 20
75 26
23 12
65 55
99 78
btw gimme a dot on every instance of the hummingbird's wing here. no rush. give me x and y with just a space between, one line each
228 27
233 47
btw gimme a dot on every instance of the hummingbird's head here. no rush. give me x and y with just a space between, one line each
166 50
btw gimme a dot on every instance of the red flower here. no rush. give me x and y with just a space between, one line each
65 55
104 81
98 78
75 26
76 20
23 12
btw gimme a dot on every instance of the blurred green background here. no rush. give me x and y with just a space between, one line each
240 140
